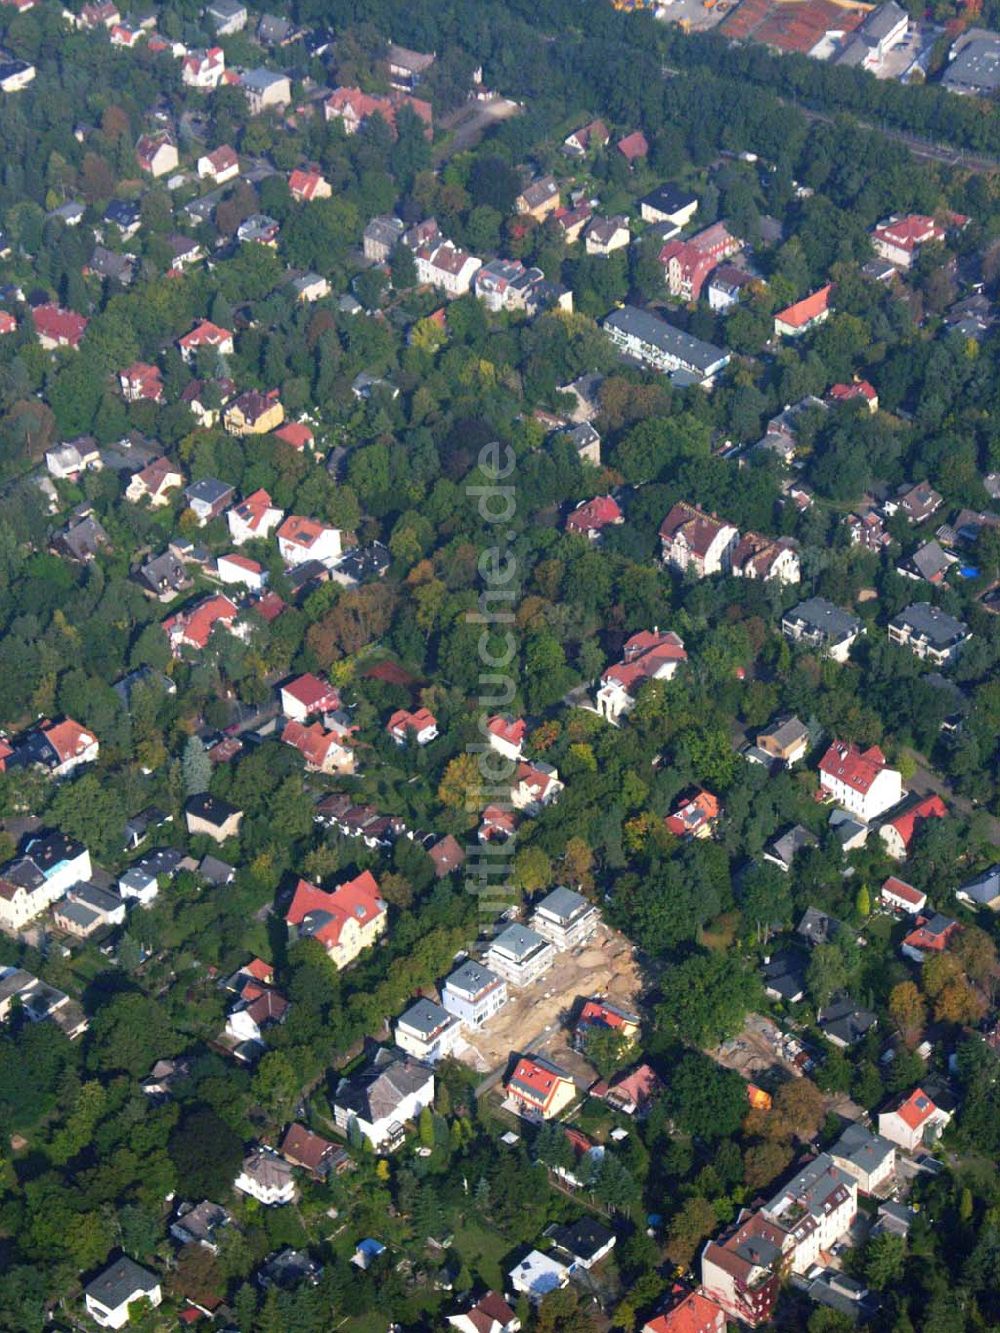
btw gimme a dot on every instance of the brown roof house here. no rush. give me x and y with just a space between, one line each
692 539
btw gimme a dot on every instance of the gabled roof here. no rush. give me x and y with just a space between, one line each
633 146
906 824
299 530
323 915
900 889
803 312
593 515
68 738
537 1079
698 528
916 1109
312 693
856 768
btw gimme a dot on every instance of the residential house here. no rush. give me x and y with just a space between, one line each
407 68
631 1092
784 849
565 918
258 1009
693 1313
633 147
274 30
306 696
420 726
898 833
240 569
428 1032
538 199
900 239
727 285
879 32
254 518
783 975
860 781
814 1209
585 441
520 955
535 785
917 502
204 397
537 1276
868 530
125 215
253 413
203 69
820 624
983 890
205 336
606 235
817 927
56 747
605 1016
211 869
81 539
99 14
473 993
378 1100
123 1283
380 238
690 539
591 517
446 267
786 740
446 855
154 482
844 1023
869 1158
539 1089
587 139
687 264
929 563
929 633
655 343
354 109
56 327
259 229
184 251
742 1270
40 1002
570 222
305 186
226 16
139 883
930 935
297 435
86 909
326 749
301 539
914 1121
199 1224
505 284
141 383
15 75
782 435
311 1152
156 154
899 896
208 498
163 577
265 90
856 391
507 735
212 816
763 558
67 461
695 815
345 921
804 315
309 287
266 1177
192 628
584 1242
670 204
489 1314
33 882
222 164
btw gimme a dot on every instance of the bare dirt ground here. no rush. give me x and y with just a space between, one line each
533 1019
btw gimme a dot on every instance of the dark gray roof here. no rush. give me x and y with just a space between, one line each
846 1021
379 1090
518 941
861 1147
931 624
216 871
640 324
975 66
583 1238
930 561
669 199
123 1281
793 840
426 1017
785 974
984 888
817 927
209 490
564 904
471 977
817 615
213 809
880 22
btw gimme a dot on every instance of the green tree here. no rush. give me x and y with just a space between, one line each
196 767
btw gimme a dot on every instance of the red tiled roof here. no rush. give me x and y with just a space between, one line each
64 326
313 742
695 1314
900 889
916 1109
295 434
269 606
859 389
304 184
536 1080
598 1013
931 807
68 738
304 1148
223 158
301 531
259 970
803 312
512 730
313 693
693 812
700 529
856 768
253 510
243 562
358 899
447 855
204 334
594 514
644 654
403 720
909 232
197 624
633 146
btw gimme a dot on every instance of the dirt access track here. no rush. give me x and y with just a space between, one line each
533 1018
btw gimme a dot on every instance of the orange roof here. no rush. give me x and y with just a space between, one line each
259 970
325 914
508 729
68 738
304 184
536 1079
196 625
313 742
253 510
295 434
301 531
204 334
802 313
403 720
243 562
691 814
916 1109
695 1314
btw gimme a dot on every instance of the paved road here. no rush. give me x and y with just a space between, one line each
925 781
